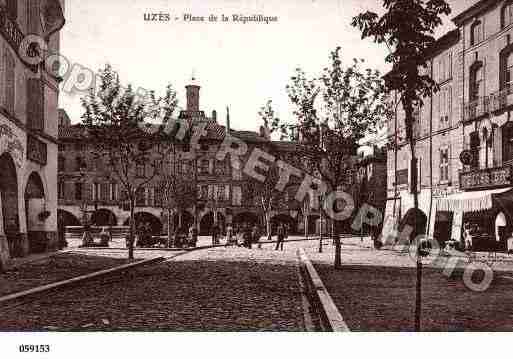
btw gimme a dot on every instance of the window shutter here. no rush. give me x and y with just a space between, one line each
34 20
12 9
35 104
497 146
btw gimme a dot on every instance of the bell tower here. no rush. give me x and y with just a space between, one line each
192 91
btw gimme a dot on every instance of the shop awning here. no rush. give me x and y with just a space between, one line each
469 201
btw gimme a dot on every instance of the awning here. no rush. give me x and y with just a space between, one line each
469 201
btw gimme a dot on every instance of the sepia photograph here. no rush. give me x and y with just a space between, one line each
325 171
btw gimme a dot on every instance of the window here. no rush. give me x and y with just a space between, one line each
34 20
220 193
60 189
80 164
78 191
12 9
444 165
445 67
61 164
221 167
10 84
157 166
476 33
507 142
113 191
158 196
445 106
475 143
203 192
402 177
476 81
104 191
35 104
140 197
507 14
140 170
506 68
204 166
204 146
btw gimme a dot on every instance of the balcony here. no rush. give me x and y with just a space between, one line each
476 109
486 178
501 100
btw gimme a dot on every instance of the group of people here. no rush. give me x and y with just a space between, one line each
247 235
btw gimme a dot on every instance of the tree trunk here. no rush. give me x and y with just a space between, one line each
408 106
268 226
131 238
170 228
338 246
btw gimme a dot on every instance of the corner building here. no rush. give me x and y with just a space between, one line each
28 130
464 134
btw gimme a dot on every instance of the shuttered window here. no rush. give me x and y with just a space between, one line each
35 104
34 19
12 9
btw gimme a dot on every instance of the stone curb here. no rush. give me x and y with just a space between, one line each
328 308
78 279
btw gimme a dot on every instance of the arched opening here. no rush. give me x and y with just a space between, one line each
146 219
284 219
104 217
312 223
36 214
9 206
416 221
244 218
65 219
207 222
184 220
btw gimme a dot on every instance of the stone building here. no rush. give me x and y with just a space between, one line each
28 130
464 133
223 192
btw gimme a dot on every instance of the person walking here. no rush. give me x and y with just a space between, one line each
246 236
281 237
215 234
255 235
229 235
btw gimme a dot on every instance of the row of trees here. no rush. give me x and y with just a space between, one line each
332 113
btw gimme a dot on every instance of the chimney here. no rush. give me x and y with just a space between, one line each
228 120
192 91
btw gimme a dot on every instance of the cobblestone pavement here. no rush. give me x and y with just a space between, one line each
375 291
223 289
53 269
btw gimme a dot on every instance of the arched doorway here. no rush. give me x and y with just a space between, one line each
104 217
312 223
186 221
9 202
65 219
245 218
35 206
416 220
285 219
143 218
207 222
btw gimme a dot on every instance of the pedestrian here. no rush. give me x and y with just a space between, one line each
246 236
255 235
229 235
215 234
281 237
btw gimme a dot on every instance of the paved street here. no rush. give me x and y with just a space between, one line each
375 291
224 289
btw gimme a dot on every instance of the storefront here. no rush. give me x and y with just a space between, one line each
487 214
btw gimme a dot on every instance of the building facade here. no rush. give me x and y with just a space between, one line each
28 130
463 133
224 193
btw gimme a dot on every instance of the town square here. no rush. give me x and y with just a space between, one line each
307 166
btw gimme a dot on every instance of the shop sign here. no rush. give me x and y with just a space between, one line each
36 150
486 178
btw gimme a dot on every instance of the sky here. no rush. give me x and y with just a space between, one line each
237 65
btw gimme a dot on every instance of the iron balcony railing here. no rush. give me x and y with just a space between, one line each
476 108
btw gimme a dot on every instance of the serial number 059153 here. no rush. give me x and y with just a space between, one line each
29 348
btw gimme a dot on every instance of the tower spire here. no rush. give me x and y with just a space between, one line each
227 119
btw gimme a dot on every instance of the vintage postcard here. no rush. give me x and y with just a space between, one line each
228 166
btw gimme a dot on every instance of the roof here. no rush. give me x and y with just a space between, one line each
472 11
249 136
